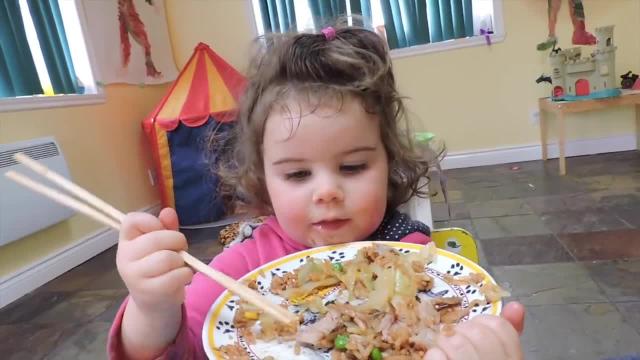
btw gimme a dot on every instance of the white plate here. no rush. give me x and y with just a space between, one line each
218 326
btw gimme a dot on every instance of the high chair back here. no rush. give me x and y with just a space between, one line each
456 240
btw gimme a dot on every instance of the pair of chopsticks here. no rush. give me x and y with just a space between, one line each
102 212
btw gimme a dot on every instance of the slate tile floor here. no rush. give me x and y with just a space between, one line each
566 247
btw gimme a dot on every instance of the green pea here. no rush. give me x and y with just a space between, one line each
341 342
376 354
337 266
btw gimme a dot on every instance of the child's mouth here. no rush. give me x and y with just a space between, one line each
330 225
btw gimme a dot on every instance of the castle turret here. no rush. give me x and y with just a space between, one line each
558 70
605 38
605 58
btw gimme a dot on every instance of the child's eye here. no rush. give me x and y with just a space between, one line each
298 175
353 169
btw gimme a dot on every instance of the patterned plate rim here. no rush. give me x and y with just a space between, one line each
208 340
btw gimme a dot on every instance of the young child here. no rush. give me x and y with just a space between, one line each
320 147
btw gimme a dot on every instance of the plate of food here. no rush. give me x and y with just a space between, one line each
361 300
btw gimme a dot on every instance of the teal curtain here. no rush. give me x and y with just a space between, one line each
278 15
435 25
327 9
406 22
415 22
446 19
361 8
468 17
53 43
457 15
325 12
18 75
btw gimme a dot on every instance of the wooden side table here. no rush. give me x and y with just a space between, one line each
561 108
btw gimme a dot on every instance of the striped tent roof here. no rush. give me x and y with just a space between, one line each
206 86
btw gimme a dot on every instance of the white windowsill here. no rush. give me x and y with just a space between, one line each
445 46
40 101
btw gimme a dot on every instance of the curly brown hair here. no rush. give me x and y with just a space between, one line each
354 64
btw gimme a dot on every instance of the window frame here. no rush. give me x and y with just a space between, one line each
453 44
498 35
33 102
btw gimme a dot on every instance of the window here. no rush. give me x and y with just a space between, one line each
44 59
410 26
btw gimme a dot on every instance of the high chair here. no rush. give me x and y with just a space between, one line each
456 240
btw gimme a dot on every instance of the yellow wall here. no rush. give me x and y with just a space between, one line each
480 97
105 152
475 98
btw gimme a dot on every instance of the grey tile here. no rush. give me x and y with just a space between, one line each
620 279
31 306
549 284
109 280
631 314
608 181
453 195
524 250
88 342
471 195
603 245
556 203
497 208
616 197
84 273
206 250
546 186
577 331
31 341
508 226
110 313
629 214
582 221
440 211
80 307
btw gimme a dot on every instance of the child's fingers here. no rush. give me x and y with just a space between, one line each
457 347
486 343
158 263
435 354
149 243
506 334
171 282
138 223
514 313
169 219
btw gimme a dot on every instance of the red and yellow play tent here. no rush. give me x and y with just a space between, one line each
203 97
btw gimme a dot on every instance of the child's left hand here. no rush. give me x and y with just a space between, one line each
484 337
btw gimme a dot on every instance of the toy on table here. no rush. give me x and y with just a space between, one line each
578 78
580 34
628 80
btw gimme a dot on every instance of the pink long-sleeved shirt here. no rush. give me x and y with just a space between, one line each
269 242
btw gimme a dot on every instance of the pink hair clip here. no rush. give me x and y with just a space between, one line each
329 33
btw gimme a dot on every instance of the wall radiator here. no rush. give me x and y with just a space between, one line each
22 211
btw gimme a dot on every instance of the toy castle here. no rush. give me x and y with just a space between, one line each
575 78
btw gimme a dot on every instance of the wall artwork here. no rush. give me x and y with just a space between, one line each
130 41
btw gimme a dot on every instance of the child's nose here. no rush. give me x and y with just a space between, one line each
328 192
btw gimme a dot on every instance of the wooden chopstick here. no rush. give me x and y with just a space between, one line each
69 186
232 285
62 199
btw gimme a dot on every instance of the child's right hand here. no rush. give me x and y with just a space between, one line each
149 263
484 337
